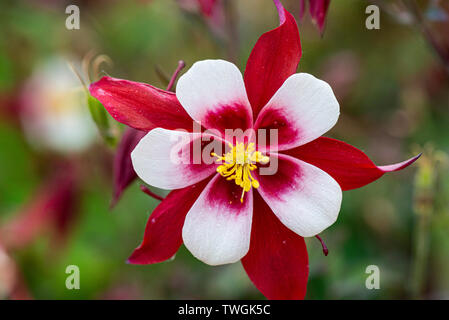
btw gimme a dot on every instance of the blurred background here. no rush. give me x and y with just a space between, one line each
56 166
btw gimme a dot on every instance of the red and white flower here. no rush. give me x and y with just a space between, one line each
228 211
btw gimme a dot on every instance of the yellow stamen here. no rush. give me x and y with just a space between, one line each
238 163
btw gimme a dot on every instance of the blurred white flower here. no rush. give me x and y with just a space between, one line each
54 110
7 274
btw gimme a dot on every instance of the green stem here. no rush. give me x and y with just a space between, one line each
424 207
421 252
231 21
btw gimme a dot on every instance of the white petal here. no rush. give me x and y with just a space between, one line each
217 228
213 93
303 109
163 159
305 198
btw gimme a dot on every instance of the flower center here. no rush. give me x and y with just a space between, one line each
238 163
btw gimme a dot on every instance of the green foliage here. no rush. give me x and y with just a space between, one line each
101 119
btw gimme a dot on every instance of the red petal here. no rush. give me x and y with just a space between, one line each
207 6
123 168
163 233
140 105
349 166
273 59
318 11
277 261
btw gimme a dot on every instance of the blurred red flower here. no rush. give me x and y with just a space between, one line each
317 10
52 208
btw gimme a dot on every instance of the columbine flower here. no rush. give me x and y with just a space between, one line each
225 211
